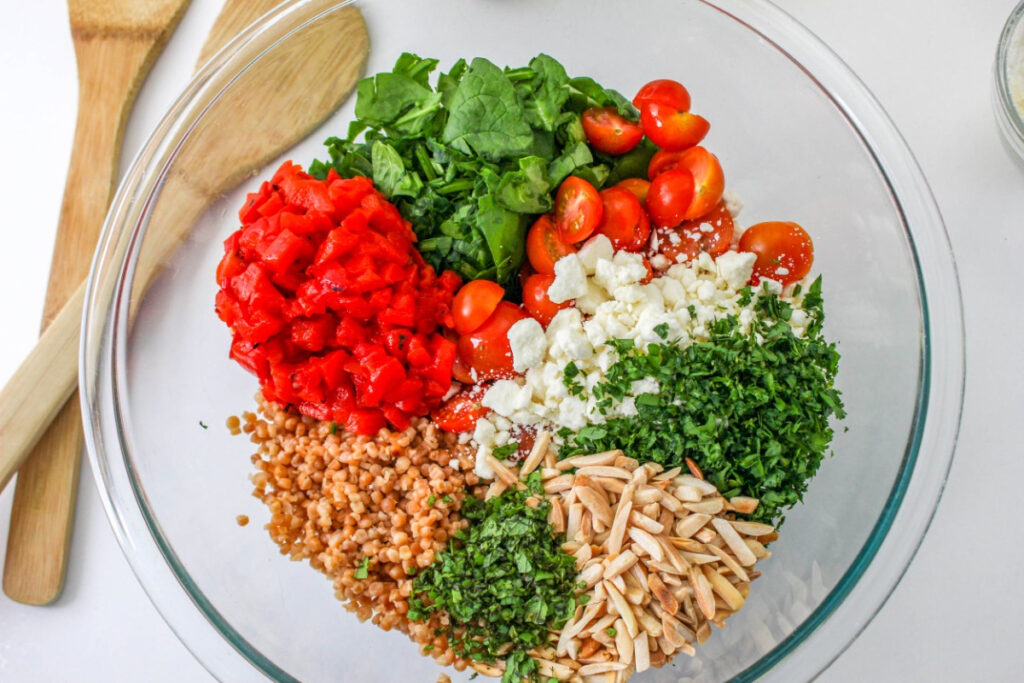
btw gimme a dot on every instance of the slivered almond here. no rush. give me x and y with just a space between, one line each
752 528
647 494
573 520
668 474
556 516
652 510
671 503
501 471
735 543
664 567
618 602
496 488
600 668
645 523
589 647
756 547
708 506
590 612
705 487
620 564
601 624
618 582
582 555
702 592
662 594
640 476
586 532
674 557
635 595
550 460
610 485
537 453
553 669
605 458
744 504
666 519
618 529
688 544
648 622
627 463
691 524
592 574
694 470
730 562
558 484
549 473
723 588
687 494
596 503
647 542
604 471
703 633
641 653
623 642
706 535
698 558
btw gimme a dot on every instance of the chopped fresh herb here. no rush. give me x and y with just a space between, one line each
611 631
752 410
431 499
428 648
471 159
334 428
504 582
503 452
570 377
661 330
447 500
363 570
203 425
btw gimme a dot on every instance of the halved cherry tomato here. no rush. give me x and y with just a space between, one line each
544 246
610 132
711 233
536 301
671 128
461 411
474 303
663 91
784 251
708 180
670 197
663 160
577 210
487 349
461 372
638 186
624 221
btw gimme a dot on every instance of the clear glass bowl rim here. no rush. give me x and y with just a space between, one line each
1009 119
821 638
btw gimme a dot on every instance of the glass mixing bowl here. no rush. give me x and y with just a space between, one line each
800 138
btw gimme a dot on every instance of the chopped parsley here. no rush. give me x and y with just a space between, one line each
751 409
203 425
570 378
334 428
502 581
431 499
503 452
363 570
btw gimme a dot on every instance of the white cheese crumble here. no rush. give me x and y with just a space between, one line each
611 303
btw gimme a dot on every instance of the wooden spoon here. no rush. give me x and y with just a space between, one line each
308 80
116 42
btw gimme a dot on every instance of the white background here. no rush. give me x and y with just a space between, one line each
959 611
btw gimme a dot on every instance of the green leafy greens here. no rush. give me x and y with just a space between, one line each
752 410
472 159
504 581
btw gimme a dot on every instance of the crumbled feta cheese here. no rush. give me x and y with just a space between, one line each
528 343
596 248
735 268
570 279
733 203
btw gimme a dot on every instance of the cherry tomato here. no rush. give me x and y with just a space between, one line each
474 303
536 301
650 271
663 91
624 221
663 160
461 372
638 186
784 251
708 180
577 210
669 197
711 233
610 132
671 128
486 349
461 411
544 246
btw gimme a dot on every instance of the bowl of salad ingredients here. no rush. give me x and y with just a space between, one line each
573 346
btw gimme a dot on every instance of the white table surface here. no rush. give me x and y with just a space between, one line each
959 610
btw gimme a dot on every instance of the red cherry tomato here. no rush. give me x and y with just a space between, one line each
638 186
624 221
486 349
474 303
461 372
708 180
784 251
536 301
544 246
670 197
671 128
711 233
577 210
650 271
461 411
610 132
663 91
663 160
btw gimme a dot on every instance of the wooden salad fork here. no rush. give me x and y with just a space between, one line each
311 84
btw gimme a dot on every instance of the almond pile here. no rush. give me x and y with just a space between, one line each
659 551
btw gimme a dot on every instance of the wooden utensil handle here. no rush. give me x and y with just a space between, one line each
39 387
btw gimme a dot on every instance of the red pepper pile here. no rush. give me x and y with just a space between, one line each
332 306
